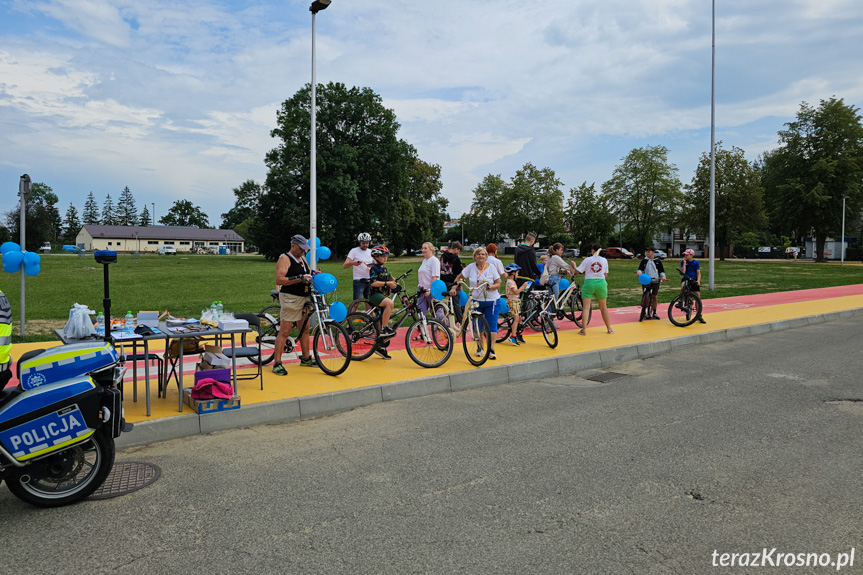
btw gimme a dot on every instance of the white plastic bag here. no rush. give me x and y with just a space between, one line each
79 325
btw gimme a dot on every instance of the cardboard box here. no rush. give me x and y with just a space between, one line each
216 360
211 405
233 324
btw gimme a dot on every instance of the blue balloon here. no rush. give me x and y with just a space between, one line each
32 258
438 289
462 298
317 242
502 306
12 260
644 279
32 270
564 284
9 247
325 283
324 253
338 311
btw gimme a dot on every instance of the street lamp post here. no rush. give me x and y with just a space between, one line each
712 260
154 212
24 192
316 7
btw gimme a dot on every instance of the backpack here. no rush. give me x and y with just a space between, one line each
543 279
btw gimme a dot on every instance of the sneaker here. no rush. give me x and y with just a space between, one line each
701 319
655 316
279 369
387 333
479 352
513 341
382 353
521 339
492 355
308 362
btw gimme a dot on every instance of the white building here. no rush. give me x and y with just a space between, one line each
150 238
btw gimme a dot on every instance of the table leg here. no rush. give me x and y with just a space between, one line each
234 365
134 372
180 375
147 375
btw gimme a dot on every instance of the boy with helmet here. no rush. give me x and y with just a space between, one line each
360 258
692 271
513 291
380 284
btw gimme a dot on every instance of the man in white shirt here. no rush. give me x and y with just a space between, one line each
360 258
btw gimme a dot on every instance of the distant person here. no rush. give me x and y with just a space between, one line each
513 293
656 271
428 272
380 284
595 270
557 268
360 259
450 268
492 259
293 276
692 271
525 259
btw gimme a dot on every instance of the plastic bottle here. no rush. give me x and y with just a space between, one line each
213 316
100 324
129 325
220 309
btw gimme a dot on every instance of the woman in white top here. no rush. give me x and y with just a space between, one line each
595 270
429 271
478 272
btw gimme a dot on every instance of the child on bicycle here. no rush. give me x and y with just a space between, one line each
656 271
380 284
513 293
692 271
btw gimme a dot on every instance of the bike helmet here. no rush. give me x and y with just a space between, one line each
364 237
511 268
380 251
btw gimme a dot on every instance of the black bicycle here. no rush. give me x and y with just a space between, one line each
685 308
647 308
537 314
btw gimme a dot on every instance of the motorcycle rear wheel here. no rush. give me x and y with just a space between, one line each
67 476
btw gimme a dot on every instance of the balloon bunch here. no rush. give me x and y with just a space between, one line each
322 252
13 256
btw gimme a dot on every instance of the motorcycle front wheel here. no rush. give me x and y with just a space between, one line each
67 476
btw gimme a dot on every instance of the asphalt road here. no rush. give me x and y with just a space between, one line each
730 447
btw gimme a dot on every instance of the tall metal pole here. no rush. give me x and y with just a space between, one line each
23 191
313 193
154 212
712 260
842 239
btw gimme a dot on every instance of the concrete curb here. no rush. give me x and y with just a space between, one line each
294 409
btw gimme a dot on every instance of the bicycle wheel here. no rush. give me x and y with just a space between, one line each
684 309
363 332
645 305
332 348
576 309
549 332
361 305
267 339
476 340
429 344
504 327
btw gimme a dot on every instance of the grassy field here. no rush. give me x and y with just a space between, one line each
186 284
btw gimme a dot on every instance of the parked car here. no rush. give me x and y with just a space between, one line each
571 253
167 251
618 253
541 252
74 249
660 255
46 248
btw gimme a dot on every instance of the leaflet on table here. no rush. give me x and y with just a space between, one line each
188 329
120 335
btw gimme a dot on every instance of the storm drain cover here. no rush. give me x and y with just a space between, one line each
126 477
605 376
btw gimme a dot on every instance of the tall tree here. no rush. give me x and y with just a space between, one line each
109 214
819 161
246 205
739 197
532 202
90 215
645 192
145 219
421 207
71 225
184 213
589 216
484 221
362 170
127 213
42 218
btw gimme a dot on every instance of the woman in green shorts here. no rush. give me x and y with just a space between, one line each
595 270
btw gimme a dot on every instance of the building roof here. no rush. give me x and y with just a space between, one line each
161 233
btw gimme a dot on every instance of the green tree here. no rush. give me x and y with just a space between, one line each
532 202
589 216
362 171
145 218
127 213
109 214
484 221
90 215
739 197
645 192
5 236
71 225
247 204
42 219
421 208
184 213
819 161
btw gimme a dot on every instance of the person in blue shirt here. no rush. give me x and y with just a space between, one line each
692 271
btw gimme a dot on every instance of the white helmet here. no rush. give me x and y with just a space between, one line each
364 237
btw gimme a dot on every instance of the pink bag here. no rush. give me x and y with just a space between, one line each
209 388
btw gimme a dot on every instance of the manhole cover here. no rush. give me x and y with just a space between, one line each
126 477
605 376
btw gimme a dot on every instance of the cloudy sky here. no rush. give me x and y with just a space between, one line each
177 99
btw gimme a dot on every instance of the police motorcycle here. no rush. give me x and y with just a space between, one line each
57 427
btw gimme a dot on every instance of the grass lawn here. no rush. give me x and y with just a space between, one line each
186 284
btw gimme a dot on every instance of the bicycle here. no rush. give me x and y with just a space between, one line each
365 306
331 345
475 334
647 308
685 308
427 341
535 315
571 296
